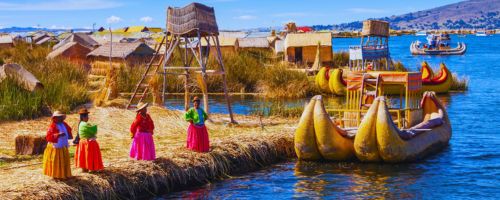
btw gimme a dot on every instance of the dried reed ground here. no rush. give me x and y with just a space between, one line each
234 150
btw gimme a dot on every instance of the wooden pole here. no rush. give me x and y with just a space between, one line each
221 64
168 53
186 78
203 71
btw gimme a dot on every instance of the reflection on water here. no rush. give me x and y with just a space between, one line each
468 169
363 180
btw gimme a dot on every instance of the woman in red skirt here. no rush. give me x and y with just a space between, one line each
197 139
88 154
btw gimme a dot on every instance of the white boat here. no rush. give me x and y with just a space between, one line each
481 34
421 33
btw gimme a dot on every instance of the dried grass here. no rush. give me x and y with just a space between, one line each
235 149
459 83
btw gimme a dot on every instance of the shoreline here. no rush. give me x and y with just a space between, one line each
234 150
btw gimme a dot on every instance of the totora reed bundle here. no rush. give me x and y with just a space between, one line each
136 179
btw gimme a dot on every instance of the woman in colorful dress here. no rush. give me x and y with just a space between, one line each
197 139
56 163
143 146
88 154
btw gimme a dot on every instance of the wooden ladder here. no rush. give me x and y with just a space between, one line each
142 88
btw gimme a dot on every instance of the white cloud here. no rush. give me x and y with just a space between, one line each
365 10
60 27
113 19
246 17
146 19
60 5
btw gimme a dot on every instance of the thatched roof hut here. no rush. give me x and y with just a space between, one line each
301 47
6 41
227 45
188 20
73 51
132 53
80 38
253 43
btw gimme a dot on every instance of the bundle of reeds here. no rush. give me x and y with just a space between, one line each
30 144
459 83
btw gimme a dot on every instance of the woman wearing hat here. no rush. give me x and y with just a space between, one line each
56 161
88 154
143 146
197 138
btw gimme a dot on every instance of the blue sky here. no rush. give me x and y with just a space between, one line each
231 14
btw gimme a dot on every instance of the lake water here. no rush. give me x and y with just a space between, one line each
468 169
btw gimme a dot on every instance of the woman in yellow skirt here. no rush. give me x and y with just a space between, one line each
56 163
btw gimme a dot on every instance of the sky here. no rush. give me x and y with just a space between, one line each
230 14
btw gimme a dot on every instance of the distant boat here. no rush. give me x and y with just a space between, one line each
437 45
421 33
481 34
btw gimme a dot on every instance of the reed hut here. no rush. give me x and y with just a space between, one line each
73 51
131 54
81 38
228 45
300 48
253 43
6 41
43 38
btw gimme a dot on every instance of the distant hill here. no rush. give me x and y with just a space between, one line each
472 14
31 29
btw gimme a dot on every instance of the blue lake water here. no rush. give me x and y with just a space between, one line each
468 169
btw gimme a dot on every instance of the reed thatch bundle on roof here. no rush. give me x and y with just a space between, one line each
256 42
122 50
187 20
375 28
72 51
80 38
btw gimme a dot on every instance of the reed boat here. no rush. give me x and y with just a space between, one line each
416 49
337 83
322 78
318 138
440 83
384 141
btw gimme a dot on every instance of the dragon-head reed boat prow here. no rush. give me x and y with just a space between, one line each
318 138
440 83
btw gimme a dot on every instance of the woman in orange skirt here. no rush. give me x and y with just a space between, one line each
56 162
88 154
197 139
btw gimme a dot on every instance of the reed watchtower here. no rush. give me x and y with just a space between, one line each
187 29
374 48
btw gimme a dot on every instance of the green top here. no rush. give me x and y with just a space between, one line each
194 115
87 130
